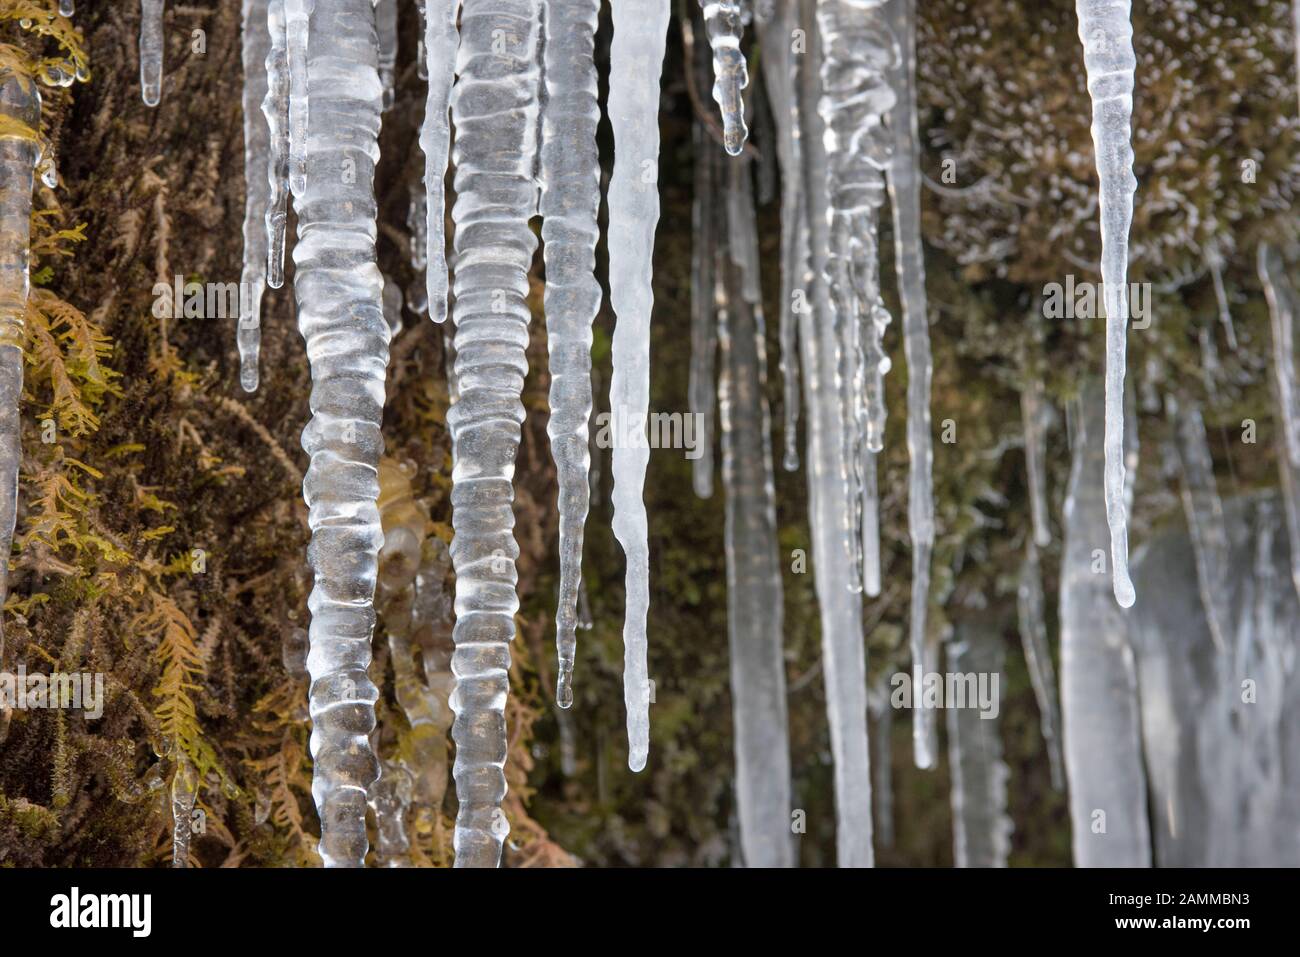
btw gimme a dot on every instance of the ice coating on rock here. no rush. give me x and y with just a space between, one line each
297 14
779 74
843 651
339 292
20 107
275 107
701 390
1281 307
1033 413
636 61
495 107
257 147
441 40
1099 704
570 203
1107 38
1204 513
981 828
722 22
151 50
1038 659
755 608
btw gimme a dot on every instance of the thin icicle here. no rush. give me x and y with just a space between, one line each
1032 413
1214 259
20 108
754 601
1038 658
298 15
870 525
722 21
386 26
151 50
1204 513
441 40
881 710
340 314
779 78
843 650
275 107
257 148
1107 38
636 60
570 203
701 393
1281 307
495 107
981 828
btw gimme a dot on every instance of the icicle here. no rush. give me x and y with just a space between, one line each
702 395
1107 38
275 107
184 793
843 653
905 199
779 78
870 525
1038 658
730 72
1281 307
297 20
981 829
570 203
881 709
151 50
495 107
440 44
340 314
754 600
390 800
20 152
1032 413
855 99
1204 512
1103 754
417 222
257 148
636 61
1214 259
386 26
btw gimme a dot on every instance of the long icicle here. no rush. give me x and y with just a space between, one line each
1038 659
441 40
1107 37
257 147
1286 393
151 50
570 203
636 61
275 107
722 22
495 107
340 314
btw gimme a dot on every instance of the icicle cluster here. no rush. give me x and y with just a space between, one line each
339 291
1107 37
495 107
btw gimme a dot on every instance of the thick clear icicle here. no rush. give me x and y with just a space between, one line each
701 391
151 50
298 14
981 828
495 107
441 41
722 22
386 26
636 61
20 108
257 150
1099 704
843 652
1038 659
1107 37
1033 413
275 107
1204 513
779 77
570 203
1286 393
754 601
340 314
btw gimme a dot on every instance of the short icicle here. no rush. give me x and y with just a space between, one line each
722 22
441 40
151 50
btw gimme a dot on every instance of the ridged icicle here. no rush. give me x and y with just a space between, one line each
636 59
570 202
495 107
441 40
257 149
340 314
275 107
